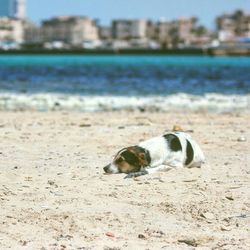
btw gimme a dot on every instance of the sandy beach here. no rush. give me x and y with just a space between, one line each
54 195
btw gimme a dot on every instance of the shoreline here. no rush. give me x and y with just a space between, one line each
176 102
218 51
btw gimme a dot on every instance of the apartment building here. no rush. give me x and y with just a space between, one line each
230 26
11 30
126 29
72 30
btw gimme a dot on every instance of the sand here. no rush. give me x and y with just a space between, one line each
54 195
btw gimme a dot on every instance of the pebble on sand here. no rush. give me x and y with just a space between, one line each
207 215
141 236
242 139
109 234
177 128
189 241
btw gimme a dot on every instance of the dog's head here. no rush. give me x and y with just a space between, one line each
128 160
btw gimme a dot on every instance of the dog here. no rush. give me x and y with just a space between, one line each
173 149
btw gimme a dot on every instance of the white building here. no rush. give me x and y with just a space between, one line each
20 9
231 26
73 30
11 30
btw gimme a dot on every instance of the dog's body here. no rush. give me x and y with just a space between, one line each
174 149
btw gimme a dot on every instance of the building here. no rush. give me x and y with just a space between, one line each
8 8
12 15
11 30
160 32
185 28
72 30
173 33
152 30
226 28
139 29
21 9
231 26
32 33
167 34
163 33
126 29
13 8
105 33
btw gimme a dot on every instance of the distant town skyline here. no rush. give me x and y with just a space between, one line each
106 10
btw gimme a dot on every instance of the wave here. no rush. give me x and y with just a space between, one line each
178 102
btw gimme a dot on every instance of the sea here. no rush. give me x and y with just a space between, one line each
116 82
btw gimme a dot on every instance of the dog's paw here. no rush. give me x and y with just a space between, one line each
136 174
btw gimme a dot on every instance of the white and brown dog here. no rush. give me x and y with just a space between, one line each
174 149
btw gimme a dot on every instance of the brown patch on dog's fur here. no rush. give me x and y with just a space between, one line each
123 166
140 156
130 160
127 168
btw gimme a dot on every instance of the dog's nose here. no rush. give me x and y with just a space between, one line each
106 168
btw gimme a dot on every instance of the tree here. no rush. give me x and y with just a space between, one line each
200 30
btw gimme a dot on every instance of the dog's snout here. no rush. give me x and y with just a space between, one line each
106 168
111 169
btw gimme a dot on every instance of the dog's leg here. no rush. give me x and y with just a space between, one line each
149 170
161 168
136 174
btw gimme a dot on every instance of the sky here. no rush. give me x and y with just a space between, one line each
106 10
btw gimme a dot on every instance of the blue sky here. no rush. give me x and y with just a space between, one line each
106 10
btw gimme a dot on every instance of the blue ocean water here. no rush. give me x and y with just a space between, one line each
124 75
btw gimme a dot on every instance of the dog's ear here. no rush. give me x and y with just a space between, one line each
130 156
142 159
142 155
